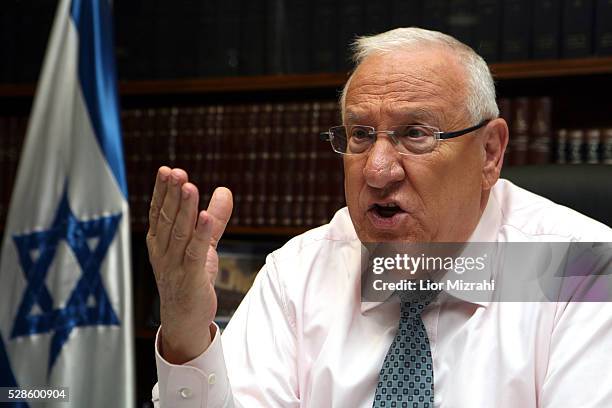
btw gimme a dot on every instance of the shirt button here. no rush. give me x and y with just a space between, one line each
212 379
185 393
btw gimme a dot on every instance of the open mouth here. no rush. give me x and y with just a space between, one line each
386 210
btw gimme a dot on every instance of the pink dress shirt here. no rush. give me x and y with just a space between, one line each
303 338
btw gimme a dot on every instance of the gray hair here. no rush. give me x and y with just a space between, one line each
480 102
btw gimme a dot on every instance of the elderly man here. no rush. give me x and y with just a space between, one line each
423 147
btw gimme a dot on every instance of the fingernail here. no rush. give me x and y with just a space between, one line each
163 177
186 194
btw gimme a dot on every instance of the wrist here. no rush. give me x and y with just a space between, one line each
180 346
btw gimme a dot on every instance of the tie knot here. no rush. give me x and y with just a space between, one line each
415 301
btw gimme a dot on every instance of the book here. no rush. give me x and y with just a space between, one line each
434 15
575 141
561 146
540 141
325 30
519 131
377 17
255 21
487 32
228 57
593 138
606 146
577 28
299 34
516 30
406 13
461 21
546 29
603 28
350 25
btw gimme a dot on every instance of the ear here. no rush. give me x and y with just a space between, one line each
494 144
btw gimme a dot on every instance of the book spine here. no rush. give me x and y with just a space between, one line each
207 32
575 145
228 58
505 112
263 164
238 136
546 29
407 13
606 148
250 165
299 33
324 50
273 132
519 134
288 173
378 16
301 156
539 150
593 138
577 28
461 21
434 15
516 27
350 25
487 33
253 36
275 21
603 27
561 146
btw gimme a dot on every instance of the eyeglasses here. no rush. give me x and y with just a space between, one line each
407 139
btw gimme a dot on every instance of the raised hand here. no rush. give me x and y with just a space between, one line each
182 246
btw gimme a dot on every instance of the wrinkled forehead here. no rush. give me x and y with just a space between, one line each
421 85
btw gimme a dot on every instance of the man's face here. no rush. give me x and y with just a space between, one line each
436 196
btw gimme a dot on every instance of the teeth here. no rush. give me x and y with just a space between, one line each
387 205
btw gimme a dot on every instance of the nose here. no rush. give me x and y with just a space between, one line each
383 166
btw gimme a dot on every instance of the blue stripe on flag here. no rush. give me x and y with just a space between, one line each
7 379
93 20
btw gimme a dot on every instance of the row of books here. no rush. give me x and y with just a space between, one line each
271 157
187 38
268 154
163 39
534 141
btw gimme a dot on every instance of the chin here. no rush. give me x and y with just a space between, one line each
412 233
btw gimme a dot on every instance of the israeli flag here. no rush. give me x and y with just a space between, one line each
65 291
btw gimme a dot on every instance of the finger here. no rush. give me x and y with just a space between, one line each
169 209
159 192
197 249
185 221
220 210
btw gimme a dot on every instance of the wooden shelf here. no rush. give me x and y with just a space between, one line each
278 231
552 68
501 71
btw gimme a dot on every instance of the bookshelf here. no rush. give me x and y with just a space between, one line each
578 87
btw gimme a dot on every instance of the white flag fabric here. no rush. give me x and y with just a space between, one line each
65 281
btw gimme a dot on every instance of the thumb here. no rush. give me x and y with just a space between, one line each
220 210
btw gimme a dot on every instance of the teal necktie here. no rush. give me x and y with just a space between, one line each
406 378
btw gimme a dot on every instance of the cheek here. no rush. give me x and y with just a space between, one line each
353 180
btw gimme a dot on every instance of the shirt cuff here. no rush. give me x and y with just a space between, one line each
201 382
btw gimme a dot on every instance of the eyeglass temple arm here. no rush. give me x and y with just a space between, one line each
325 136
450 135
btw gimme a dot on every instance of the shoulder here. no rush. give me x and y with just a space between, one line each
528 214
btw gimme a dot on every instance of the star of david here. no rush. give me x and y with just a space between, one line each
77 311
